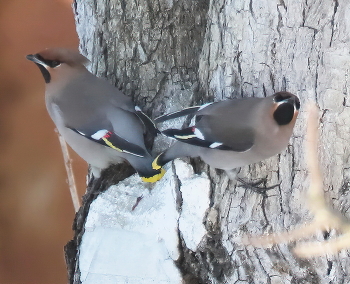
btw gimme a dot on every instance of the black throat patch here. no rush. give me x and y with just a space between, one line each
46 74
284 113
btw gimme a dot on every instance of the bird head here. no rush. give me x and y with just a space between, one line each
286 107
51 60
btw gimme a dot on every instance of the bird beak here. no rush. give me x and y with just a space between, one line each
35 59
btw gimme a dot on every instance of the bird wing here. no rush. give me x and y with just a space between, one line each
120 101
176 114
242 140
180 113
224 125
97 127
146 121
110 139
101 113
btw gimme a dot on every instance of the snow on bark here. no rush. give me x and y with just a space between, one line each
131 234
131 230
195 191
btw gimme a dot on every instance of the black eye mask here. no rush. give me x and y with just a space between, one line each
284 113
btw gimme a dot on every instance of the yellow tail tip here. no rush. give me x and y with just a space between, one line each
154 178
155 165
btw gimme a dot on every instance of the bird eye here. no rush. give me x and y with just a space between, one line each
55 63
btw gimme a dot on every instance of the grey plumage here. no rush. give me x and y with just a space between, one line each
234 133
99 122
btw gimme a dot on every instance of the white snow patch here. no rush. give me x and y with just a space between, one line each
195 191
122 245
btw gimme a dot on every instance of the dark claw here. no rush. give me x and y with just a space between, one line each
255 185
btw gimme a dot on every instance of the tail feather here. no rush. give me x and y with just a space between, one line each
147 122
154 177
143 166
179 133
175 151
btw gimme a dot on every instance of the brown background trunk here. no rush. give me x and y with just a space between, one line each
36 212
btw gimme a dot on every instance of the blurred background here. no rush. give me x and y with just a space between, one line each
36 212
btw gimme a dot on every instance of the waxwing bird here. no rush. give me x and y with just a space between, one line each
99 122
233 133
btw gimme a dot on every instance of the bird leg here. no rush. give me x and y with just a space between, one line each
254 186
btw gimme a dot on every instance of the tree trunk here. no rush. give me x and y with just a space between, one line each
170 54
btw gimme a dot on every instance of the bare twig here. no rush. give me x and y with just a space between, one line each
325 217
332 246
70 174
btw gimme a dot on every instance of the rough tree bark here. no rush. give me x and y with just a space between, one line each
170 54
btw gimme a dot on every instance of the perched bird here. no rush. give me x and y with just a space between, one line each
99 122
233 133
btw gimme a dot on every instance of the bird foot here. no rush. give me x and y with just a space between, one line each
254 186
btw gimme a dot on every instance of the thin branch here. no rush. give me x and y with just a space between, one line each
70 174
332 246
283 237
